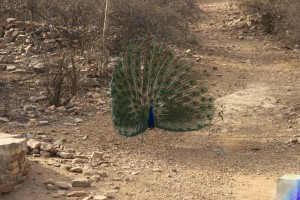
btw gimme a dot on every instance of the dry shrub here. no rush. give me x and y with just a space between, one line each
129 20
136 19
62 80
281 17
4 99
57 12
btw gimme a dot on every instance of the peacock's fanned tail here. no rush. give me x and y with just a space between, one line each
158 78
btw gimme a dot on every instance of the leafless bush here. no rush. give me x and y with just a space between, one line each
168 20
278 17
4 99
63 12
62 80
129 20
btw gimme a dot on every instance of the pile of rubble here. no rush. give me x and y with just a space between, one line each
58 155
20 41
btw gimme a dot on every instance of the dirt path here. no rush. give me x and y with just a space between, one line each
239 157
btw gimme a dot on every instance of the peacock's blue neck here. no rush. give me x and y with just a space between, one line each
151 117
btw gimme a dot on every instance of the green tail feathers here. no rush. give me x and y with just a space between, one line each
155 78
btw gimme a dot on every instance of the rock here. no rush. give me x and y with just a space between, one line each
97 155
51 187
35 151
73 151
76 169
19 71
55 195
84 137
188 51
81 182
80 156
79 161
66 167
78 120
49 181
53 107
27 108
88 198
7 59
104 165
4 119
61 109
96 95
39 67
48 147
11 20
116 179
91 172
63 186
29 49
34 144
95 178
65 155
7 188
43 122
100 197
77 194
61 193
48 45
71 198
10 68
174 170
157 170
293 141
47 154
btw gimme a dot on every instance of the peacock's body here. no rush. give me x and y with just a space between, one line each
157 90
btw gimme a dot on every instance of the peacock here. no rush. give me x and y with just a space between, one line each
152 87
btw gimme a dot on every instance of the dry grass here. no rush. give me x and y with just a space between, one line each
280 17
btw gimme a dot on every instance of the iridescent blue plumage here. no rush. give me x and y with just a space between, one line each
151 117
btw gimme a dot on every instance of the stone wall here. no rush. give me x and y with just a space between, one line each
13 164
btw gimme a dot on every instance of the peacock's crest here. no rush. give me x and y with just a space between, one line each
157 90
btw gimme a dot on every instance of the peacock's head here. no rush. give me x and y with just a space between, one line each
152 102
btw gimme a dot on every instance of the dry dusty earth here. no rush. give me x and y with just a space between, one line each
240 156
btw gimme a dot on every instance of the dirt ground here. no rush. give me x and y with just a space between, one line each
238 157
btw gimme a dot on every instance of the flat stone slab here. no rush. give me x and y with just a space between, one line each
288 187
11 144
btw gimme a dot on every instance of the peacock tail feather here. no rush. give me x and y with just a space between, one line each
157 87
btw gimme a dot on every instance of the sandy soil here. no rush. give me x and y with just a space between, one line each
239 157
